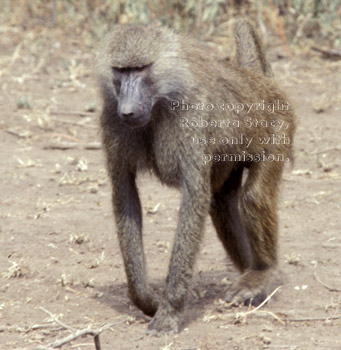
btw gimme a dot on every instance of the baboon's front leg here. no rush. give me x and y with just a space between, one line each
194 208
128 215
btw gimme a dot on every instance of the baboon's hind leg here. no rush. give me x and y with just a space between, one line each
259 213
228 223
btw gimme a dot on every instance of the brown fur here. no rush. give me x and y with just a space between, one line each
250 52
245 217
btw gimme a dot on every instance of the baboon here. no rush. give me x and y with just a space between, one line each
158 89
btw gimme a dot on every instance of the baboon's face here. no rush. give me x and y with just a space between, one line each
133 87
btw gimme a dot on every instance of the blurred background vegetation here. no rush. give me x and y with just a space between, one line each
298 23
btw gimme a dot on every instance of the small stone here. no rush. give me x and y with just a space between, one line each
266 340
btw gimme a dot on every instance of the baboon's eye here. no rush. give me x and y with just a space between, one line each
142 68
121 69
125 70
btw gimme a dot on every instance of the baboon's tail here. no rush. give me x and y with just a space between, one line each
249 48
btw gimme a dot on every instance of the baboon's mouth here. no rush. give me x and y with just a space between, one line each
137 122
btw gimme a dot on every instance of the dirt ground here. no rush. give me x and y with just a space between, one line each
60 265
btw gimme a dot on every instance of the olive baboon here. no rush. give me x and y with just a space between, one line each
156 86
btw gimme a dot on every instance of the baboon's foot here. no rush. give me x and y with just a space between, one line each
253 287
166 320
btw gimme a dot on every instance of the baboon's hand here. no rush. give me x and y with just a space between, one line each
166 320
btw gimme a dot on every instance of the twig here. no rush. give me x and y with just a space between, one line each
42 326
52 135
62 146
243 315
22 135
16 54
87 331
276 317
92 145
25 329
331 289
332 54
280 29
306 319
97 343
325 150
262 303
73 145
58 120
56 319
151 10
279 347
82 113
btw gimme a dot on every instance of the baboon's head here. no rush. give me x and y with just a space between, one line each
137 67
134 90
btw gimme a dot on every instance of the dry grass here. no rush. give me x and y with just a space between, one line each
16 270
89 20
